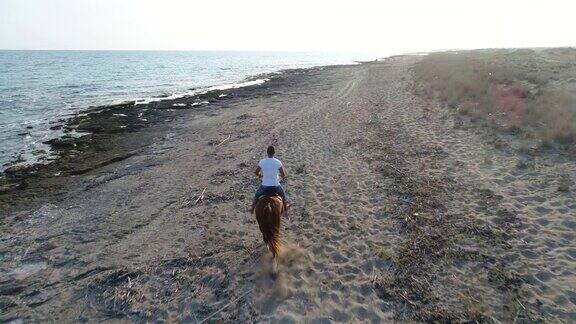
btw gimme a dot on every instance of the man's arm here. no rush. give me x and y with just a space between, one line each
258 172
283 173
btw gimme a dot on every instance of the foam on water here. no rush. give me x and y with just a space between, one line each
201 91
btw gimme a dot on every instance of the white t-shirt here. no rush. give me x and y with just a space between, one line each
270 171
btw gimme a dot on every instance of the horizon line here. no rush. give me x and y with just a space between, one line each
187 50
288 50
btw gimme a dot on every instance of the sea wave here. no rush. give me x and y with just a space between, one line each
194 92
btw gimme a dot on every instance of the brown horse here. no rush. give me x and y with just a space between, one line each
269 210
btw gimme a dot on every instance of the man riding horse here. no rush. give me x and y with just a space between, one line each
270 169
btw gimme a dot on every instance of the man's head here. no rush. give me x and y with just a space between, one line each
270 151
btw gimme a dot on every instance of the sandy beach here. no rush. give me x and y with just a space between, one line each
401 210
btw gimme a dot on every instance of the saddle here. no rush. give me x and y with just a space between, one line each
274 195
270 194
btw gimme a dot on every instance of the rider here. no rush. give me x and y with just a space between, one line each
270 169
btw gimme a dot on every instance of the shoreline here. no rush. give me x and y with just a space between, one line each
26 133
108 136
41 155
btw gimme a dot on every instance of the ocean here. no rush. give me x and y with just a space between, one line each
38 88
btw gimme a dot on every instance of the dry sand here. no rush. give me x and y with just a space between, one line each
399 212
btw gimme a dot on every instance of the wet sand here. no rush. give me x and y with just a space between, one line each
401 210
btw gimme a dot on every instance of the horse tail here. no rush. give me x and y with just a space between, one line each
269 222
275 233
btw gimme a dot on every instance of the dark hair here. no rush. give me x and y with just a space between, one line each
270 150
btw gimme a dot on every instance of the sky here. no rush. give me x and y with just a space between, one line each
384 27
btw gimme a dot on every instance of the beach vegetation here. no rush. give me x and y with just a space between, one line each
528 92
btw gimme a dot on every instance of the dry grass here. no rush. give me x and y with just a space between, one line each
528 91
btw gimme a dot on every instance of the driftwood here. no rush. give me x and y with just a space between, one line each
227 138
200 197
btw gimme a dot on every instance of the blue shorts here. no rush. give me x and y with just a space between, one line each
262 190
